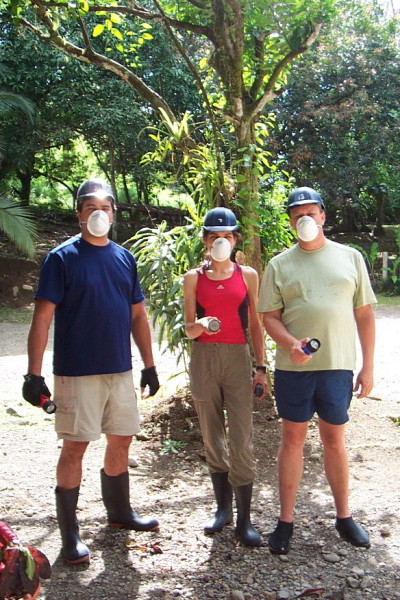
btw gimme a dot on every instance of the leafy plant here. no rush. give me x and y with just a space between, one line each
172 446
16 222
369 257
394 267
275 231
163 256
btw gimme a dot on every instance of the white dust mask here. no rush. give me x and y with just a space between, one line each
307 229
221 249
98 223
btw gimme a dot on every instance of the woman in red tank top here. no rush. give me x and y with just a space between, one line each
220 313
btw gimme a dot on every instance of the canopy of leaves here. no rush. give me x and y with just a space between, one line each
338 123
76 101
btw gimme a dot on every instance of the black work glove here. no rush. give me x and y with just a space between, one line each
149 377
34 387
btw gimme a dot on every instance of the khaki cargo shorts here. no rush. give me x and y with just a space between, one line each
90 405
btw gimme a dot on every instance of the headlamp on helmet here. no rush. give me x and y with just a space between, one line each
95 188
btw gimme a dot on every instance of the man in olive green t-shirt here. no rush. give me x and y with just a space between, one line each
317 289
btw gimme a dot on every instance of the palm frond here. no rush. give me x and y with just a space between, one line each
17 223
14 101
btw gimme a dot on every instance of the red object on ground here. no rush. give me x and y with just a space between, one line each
21 567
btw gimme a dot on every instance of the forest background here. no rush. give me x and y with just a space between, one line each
182 106
185 106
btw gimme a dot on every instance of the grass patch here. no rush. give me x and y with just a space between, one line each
15 315
388 300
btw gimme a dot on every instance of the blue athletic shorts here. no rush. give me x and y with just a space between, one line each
299 395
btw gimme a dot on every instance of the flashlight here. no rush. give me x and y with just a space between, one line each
214 325
258 390
311 346
48 405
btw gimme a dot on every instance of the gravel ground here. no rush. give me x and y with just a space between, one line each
179 561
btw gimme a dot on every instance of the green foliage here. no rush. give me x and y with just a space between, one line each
204 178
390 285
75 133
370 258
17 223
393 270
172 446
275 231
15 220
338 124
393 287
238 55
9 100
264 212
169 136
194 166
163 257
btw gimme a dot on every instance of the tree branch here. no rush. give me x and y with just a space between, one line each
199 82
260 72
84 33
269 92
137 11
88 55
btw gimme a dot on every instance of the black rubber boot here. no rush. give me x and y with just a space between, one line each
245 531
115 492
223 495
74 551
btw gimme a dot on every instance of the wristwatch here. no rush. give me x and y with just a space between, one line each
262 368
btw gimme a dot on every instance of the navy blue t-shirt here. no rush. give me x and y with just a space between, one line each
93 288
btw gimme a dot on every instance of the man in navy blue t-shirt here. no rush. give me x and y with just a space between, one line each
90 286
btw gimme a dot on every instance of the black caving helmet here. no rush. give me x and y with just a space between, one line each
220 219
304 195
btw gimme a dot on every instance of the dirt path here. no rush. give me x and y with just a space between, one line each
176 489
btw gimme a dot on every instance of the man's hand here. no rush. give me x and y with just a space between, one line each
297 356
364 383
149 377
34 387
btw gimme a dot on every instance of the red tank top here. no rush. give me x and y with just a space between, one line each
228 300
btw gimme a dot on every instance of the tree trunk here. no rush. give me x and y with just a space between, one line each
114 232
247 194
380 206
128 198
26 183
